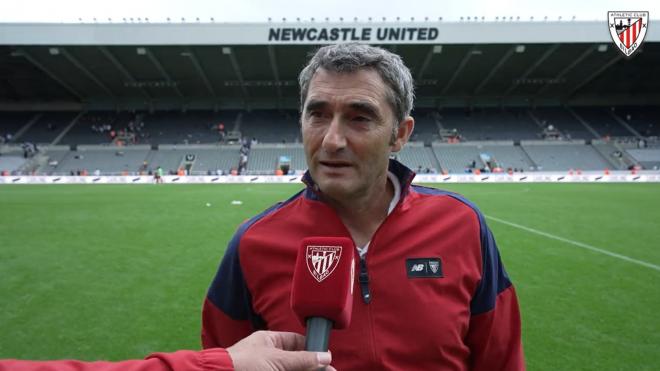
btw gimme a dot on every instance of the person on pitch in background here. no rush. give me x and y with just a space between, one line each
431 290
261 351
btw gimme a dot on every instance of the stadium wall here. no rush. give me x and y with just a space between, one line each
535 177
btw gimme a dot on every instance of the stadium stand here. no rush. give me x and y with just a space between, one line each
271 126
190 127
427 127
419 157
11 162
47 128
518 103
490 124
210 160
11 124
645 120
649 158
564 121
602 121
507 155
455 158
112 160
554 156
264 158
95 128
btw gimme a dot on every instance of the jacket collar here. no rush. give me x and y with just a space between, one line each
404 174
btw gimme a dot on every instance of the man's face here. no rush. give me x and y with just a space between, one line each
347 127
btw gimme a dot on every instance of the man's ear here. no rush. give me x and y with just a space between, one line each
403 133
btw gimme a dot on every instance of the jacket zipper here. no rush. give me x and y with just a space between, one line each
363 279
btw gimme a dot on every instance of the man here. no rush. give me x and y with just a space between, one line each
261 351
431 291
158 175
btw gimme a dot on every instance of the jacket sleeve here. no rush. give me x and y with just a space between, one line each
227 314
184 360
494 335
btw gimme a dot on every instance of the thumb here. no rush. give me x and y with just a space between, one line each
303 360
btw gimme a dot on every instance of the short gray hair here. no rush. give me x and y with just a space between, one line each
351 57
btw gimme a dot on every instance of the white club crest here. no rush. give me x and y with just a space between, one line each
322 260
628 30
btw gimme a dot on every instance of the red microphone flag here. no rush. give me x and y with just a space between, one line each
323 280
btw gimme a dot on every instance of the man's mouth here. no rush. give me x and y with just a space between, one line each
335 164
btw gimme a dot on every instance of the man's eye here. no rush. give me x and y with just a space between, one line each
315 114
361 119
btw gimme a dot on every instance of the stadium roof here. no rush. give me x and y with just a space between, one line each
173 66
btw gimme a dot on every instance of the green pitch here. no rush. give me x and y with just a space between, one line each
116 272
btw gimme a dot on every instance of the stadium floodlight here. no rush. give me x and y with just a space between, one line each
437 49
520 48
226 50
141 51
602 48
53 51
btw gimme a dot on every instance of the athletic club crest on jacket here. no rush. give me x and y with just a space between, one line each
322 260
628 30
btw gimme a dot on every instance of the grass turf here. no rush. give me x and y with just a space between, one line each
115 271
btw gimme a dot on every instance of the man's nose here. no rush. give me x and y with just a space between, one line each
335 138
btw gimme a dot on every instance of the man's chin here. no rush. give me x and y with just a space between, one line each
336 189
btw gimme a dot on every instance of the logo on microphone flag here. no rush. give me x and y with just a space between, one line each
322 260
628 30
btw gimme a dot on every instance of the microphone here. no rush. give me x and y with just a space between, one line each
322 290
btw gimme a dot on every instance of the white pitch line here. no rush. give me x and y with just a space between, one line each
576 243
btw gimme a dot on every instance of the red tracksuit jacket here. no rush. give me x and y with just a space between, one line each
462 317
183 360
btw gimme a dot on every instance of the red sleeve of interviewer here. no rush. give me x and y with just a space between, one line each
184 360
